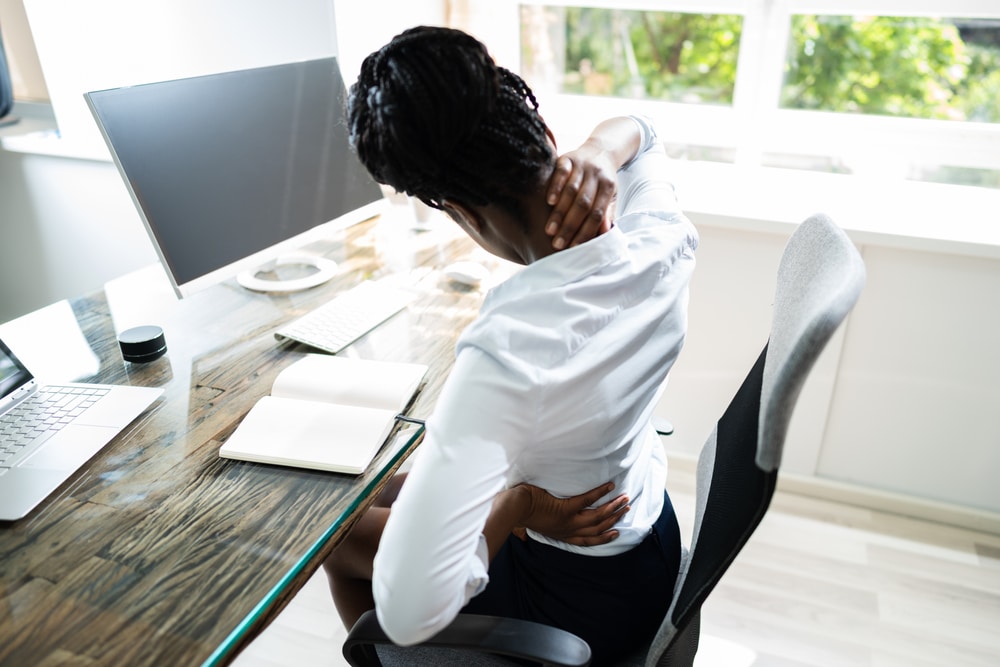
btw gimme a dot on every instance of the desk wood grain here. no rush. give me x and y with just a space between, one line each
157 550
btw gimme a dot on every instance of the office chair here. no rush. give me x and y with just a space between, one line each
820 277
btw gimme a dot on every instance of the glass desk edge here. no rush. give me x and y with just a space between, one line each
224 652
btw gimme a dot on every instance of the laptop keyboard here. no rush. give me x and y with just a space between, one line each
41 415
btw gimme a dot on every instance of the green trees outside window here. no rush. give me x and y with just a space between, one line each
915 67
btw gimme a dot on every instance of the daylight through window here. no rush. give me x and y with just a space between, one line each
912 96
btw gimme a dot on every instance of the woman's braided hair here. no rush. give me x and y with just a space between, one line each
433 116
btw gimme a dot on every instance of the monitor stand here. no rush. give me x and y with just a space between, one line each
324 270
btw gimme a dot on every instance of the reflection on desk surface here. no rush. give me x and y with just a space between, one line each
158 551
51 344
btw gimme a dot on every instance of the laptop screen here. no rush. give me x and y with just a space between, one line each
13 374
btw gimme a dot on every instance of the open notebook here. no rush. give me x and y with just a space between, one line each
326 413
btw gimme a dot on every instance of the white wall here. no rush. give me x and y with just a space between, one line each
68 226
918 393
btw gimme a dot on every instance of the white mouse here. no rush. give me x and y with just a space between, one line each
466 272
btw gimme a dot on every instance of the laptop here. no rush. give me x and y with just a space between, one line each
47 432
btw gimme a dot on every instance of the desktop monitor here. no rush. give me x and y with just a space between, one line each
232 171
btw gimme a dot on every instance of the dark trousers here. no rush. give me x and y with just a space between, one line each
615 603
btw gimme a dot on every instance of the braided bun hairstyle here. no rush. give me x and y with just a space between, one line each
433 116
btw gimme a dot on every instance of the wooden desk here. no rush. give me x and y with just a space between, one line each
158 552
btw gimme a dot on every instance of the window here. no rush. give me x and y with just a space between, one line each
669 56
914 67
876 87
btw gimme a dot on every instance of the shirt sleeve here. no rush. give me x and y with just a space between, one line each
432 558
644 184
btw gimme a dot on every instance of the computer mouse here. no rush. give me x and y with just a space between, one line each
466 272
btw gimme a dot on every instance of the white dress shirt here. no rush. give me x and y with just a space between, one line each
554 384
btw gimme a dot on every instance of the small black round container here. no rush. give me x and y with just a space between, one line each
142 344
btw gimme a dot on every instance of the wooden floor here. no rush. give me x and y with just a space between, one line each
819 585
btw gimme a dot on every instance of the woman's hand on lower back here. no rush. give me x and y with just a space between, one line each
572 519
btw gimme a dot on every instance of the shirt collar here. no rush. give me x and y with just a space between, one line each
559 268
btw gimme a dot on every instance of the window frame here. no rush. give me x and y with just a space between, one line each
755 125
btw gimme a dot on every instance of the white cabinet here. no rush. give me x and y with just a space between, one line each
917 402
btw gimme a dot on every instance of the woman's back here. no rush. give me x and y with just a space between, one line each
587 338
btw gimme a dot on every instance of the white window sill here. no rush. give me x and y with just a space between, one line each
904 214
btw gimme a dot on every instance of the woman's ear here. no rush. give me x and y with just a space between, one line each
552 137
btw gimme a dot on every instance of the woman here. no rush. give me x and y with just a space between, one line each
554 384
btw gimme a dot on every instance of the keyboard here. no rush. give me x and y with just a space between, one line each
40 416
348 316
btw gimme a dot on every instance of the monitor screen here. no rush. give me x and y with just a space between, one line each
229 171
